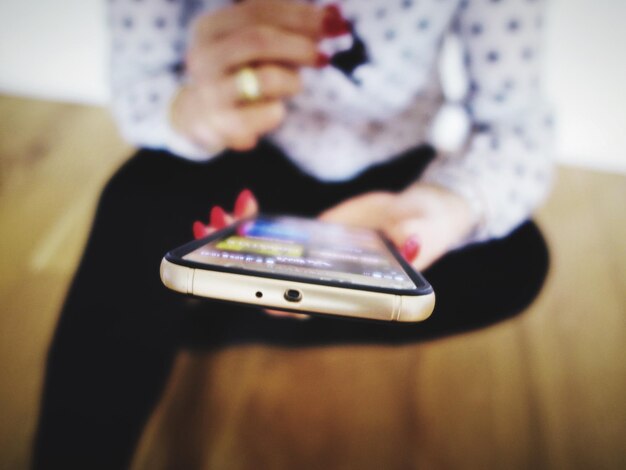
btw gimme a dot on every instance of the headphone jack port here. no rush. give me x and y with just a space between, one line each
293 295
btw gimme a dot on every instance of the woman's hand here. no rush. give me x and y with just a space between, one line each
246 206
423 221
273 37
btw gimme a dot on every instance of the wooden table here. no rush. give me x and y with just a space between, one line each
544 390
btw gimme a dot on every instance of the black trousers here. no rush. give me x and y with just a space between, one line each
120 328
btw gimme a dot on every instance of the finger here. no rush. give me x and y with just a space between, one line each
188 116
219 218
411 248
282 314
246 205
367 210
253 45
241 127
295 17
200 230
346 216
275 82
417 238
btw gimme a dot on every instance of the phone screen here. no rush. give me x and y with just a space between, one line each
308 249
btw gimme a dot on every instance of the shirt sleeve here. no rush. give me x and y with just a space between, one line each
149 38
505 168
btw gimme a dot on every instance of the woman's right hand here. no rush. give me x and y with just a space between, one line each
274 37
246 206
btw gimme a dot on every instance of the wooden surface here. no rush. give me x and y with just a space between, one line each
545 390
53 160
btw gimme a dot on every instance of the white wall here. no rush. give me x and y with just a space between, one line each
586 80
54 49
57 49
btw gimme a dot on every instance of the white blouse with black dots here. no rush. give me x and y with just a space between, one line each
345 121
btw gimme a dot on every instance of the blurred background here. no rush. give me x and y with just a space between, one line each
60 53
545 390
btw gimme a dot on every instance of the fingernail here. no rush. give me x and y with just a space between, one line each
199 230
218 218
411 248
302 317
321 60
244 198
333 23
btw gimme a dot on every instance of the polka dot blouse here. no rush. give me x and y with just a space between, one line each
380 97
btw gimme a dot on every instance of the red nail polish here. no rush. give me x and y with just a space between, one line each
199 230
242 202
411 248
333 23
321 60
218 218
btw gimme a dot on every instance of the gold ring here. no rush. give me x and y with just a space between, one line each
248 84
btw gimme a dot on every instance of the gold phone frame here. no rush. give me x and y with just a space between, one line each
297 294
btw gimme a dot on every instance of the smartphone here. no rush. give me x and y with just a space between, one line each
301 265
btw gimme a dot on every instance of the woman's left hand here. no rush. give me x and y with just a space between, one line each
424 221
246 206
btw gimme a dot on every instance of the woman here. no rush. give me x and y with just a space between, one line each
318 110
